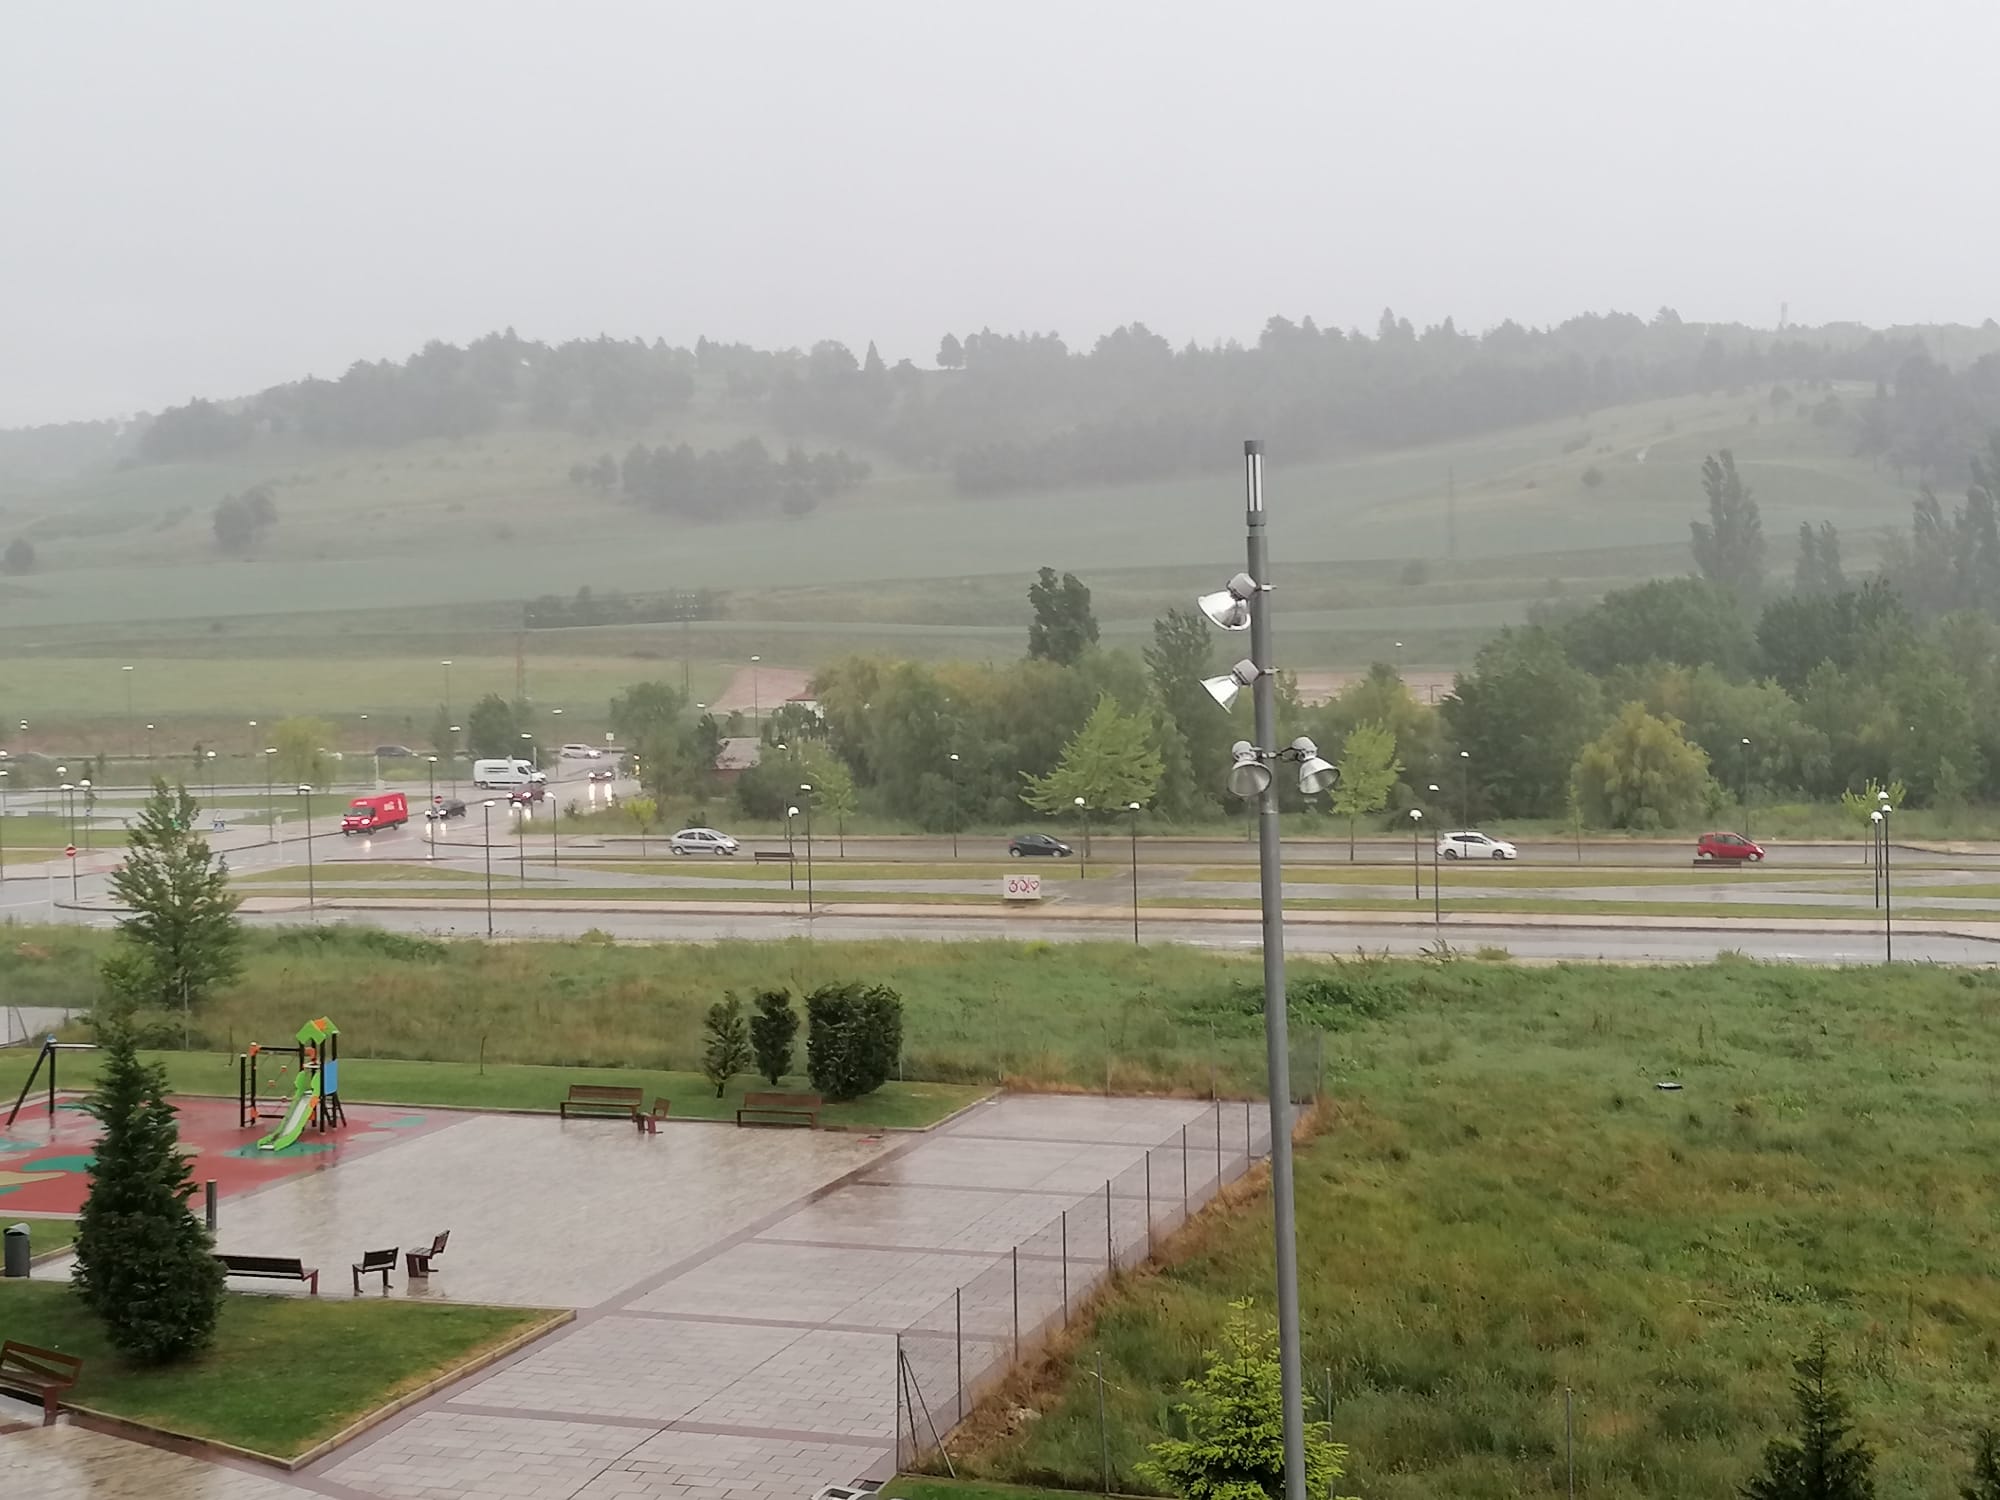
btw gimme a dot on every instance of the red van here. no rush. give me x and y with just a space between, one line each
372 814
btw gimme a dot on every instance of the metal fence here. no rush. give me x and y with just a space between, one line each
959 1350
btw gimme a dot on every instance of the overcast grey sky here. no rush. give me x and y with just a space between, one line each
206 198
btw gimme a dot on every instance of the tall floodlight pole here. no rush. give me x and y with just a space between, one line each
1277 1047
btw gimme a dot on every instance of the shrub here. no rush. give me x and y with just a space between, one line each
854 1037
144 1264
772 1032
728 1049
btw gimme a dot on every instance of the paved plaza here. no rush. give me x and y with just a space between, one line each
739 1293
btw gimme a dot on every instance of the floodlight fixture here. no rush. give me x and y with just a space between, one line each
1224 689
1229 607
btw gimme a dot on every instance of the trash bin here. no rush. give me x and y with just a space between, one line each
16 1263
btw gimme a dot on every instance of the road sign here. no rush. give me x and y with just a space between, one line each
71 851
1022 887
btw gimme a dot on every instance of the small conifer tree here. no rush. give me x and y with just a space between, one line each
144 1264
728 1049
1825 1461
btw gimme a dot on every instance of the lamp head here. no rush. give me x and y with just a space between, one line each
1224 689
1229 608
1248 775
1317 775
1875 817
1416 815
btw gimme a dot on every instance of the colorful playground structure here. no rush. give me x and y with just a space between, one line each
315 1093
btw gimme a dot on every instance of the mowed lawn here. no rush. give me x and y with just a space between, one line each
1504 1204
283 1374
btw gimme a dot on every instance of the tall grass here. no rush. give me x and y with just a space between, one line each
1506 1206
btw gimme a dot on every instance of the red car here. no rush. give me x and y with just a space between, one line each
1714 846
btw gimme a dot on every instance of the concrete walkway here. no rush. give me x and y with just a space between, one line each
738 1328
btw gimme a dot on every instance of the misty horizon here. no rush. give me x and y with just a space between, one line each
218 198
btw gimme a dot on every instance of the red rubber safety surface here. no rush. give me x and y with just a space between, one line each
44 1163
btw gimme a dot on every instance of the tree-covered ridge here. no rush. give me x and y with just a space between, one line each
1008 412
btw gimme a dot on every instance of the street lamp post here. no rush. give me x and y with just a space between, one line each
805 801
1133 809
522 813
1416 852
1083 873
89 807
1743 773
1246 604
131 739
756 703
1881 818
488 842
69 797
312 898
791 858
555 852
270 798
954 804
3 824
1465 789
455 732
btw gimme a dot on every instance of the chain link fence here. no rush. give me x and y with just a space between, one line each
958 1351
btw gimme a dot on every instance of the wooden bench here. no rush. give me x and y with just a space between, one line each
601 1101
780 1109
650 1123
271 1268
782 855
29 1371
418 1262
371 1262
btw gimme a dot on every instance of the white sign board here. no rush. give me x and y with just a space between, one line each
1022 887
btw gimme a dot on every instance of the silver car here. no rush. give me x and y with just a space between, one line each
701 841
1470 845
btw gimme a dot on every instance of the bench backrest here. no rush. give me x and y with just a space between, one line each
46 1365
376 1260
781 1101
265 1265
598 1093
438 1244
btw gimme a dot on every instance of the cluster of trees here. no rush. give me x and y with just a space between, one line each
600 384
733 481
553 612
240 521
854 1038
1025 411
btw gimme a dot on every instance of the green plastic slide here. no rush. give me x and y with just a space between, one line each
304 1089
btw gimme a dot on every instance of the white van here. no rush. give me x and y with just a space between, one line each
504 773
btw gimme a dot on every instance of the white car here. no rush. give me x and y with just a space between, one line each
581 752
1470 845
701 841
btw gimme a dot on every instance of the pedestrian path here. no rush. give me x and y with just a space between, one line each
737 1328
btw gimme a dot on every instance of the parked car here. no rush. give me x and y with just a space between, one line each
602 773
1470 845
445 807
393 752
702 841
581 752
1025 845
1726 846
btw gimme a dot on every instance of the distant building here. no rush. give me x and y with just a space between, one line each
735 756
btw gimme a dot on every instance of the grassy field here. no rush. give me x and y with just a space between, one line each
523 1086
45 1235
250 1389
1077 1015
1505 1205
324 620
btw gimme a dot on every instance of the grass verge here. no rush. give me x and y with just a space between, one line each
283 1374
45 1234
1506 1206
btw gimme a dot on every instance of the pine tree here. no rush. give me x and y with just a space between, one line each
1825 1461
182 938
773 1030
144 1264
728 1050
1234 1448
